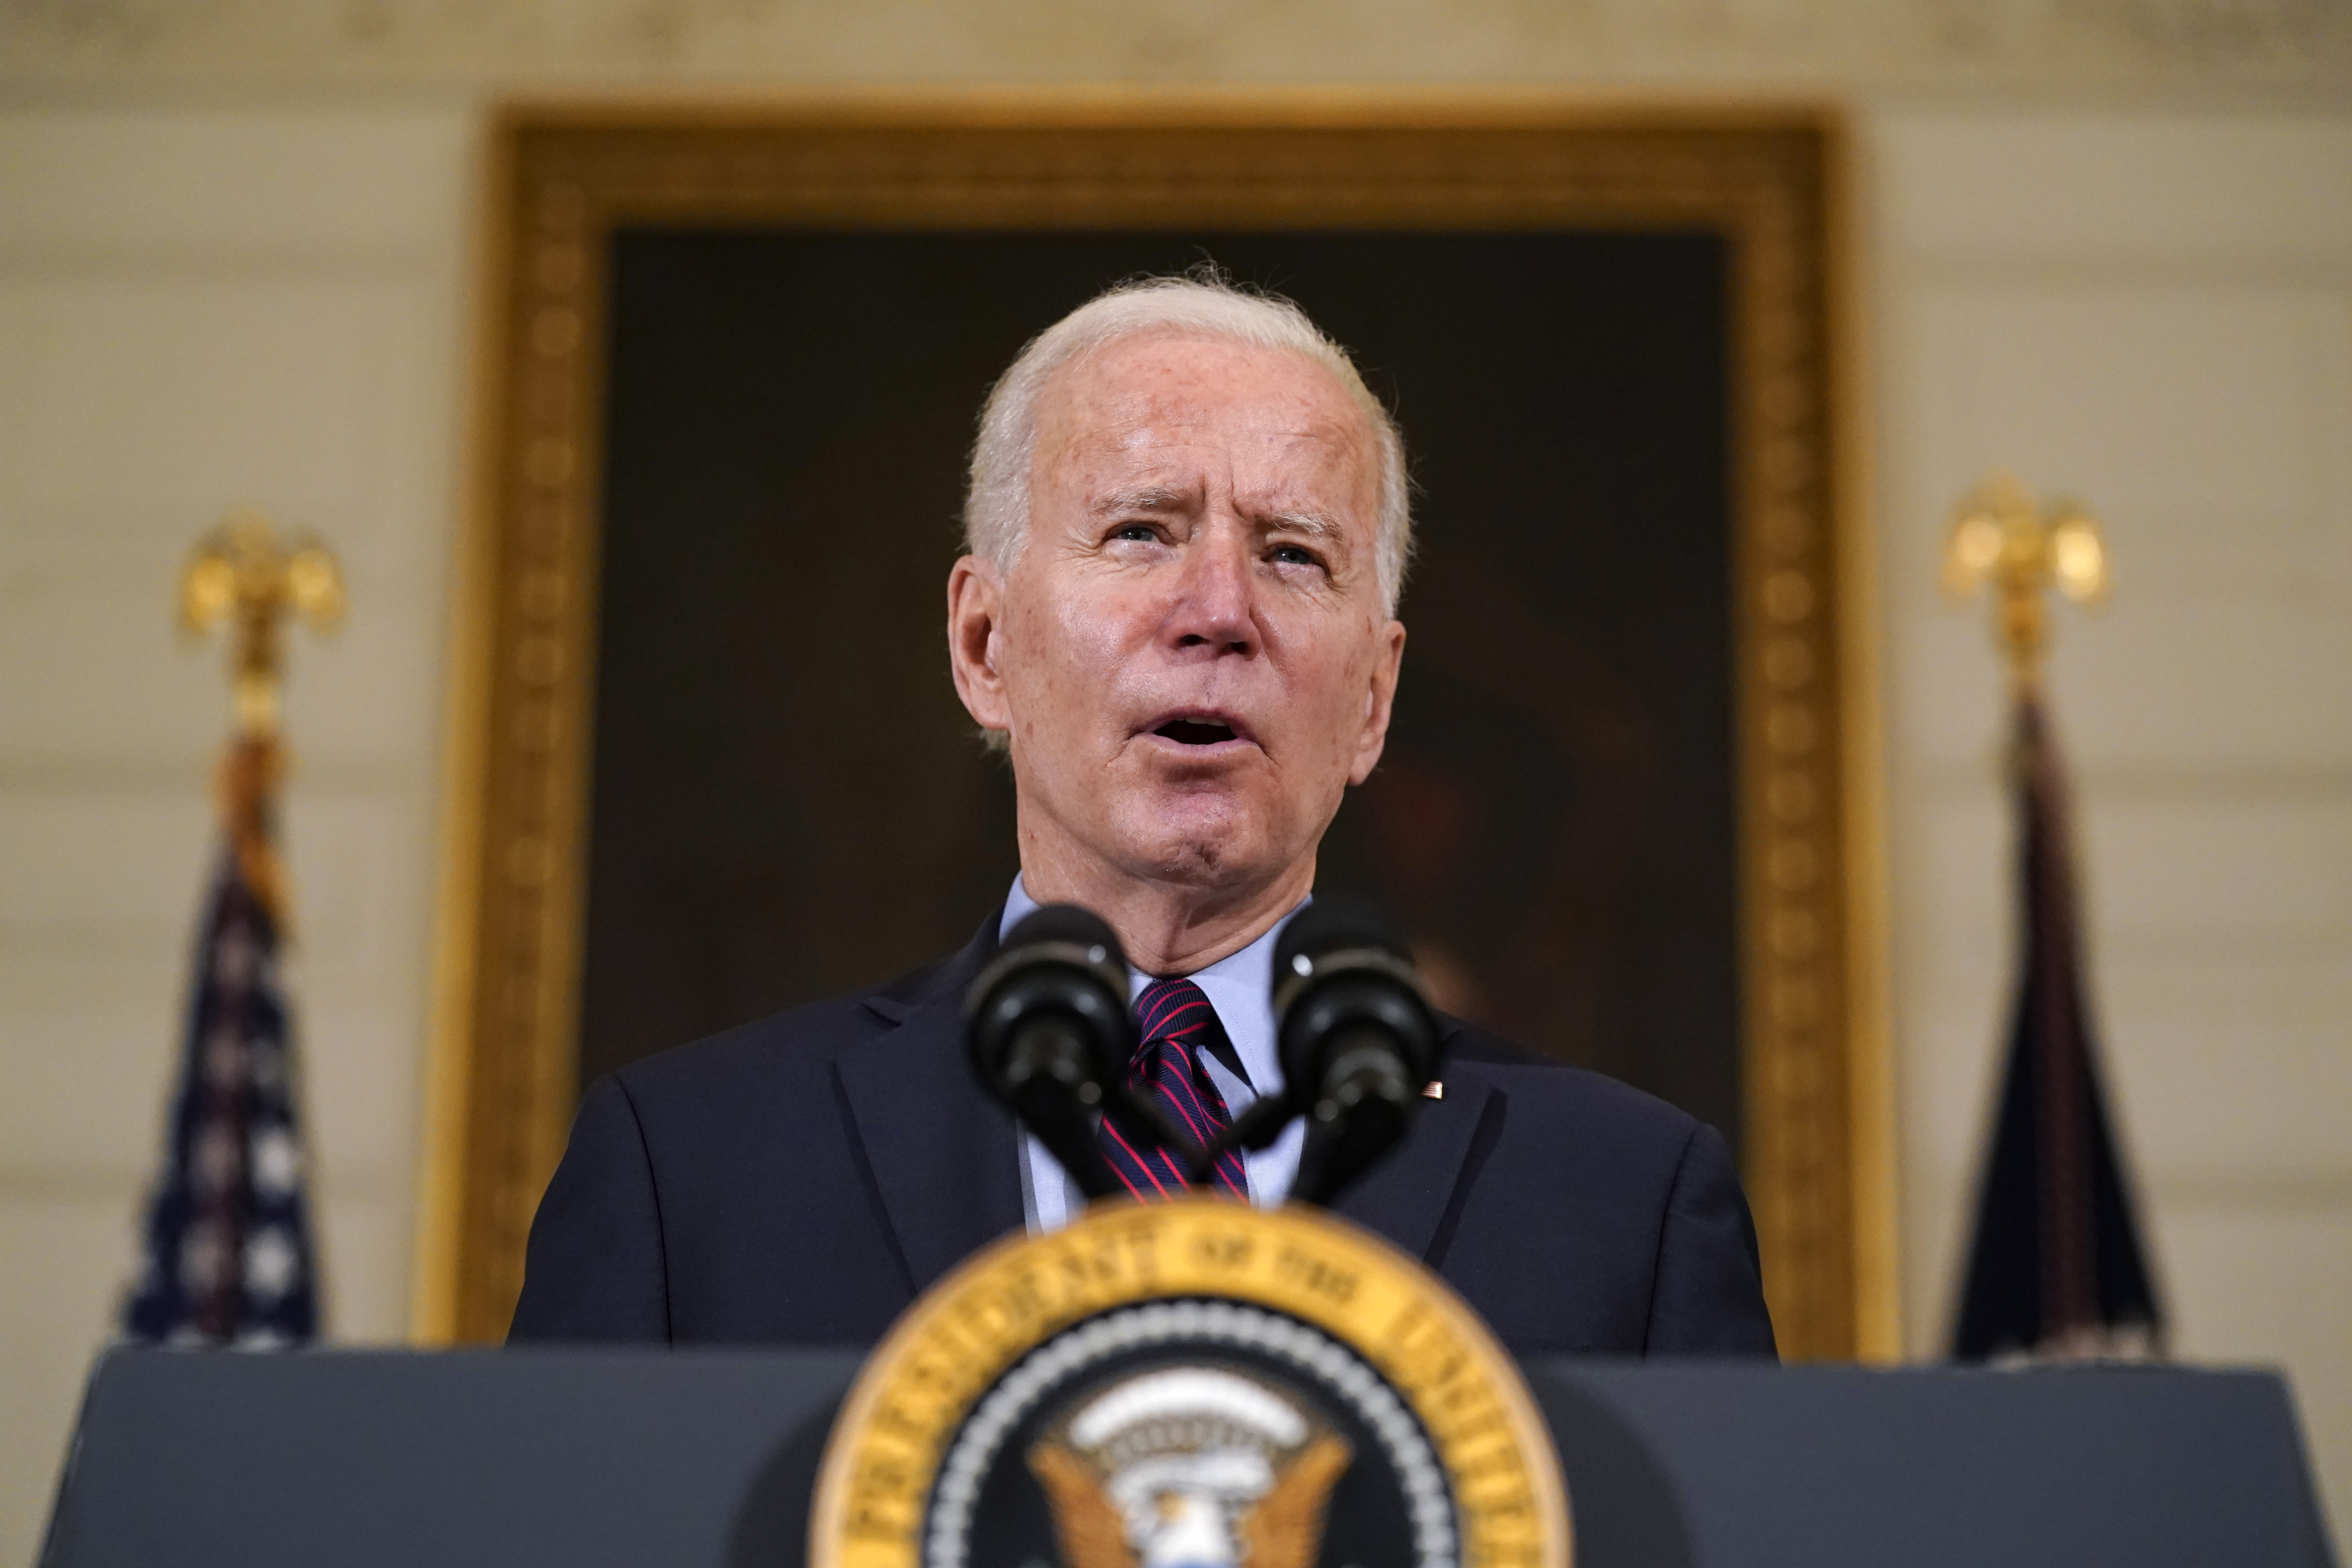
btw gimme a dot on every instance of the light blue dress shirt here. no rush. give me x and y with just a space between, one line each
1239 987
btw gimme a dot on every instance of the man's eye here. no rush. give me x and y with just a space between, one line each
1139 532
1295 555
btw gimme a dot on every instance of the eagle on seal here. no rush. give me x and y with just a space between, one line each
1189 1467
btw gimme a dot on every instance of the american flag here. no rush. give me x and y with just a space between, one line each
228 1258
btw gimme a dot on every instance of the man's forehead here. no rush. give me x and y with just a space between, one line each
1143 422
1129 391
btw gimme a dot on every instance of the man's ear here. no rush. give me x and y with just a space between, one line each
975 607
1380 700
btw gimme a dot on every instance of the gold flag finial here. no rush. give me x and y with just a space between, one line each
244 574
2002 535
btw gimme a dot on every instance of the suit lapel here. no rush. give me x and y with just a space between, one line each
1405 1196
944 1156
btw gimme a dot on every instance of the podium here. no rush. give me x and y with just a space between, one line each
704 1459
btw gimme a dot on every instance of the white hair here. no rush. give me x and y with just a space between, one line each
1200 304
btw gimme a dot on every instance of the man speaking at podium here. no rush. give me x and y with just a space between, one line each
1188 524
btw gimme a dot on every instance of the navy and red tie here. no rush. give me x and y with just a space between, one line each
1176 1022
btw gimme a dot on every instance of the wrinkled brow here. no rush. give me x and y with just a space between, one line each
1149 498
1319 525
1313 524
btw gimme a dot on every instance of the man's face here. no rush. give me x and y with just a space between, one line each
1190 654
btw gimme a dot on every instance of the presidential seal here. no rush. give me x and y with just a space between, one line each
1190 1384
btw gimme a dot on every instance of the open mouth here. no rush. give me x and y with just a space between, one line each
1195 731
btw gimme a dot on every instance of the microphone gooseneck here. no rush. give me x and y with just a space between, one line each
1359 1041
1049 1032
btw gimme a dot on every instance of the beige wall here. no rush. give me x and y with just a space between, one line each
1965 46
200 305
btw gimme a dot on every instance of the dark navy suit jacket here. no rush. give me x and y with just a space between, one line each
801 1179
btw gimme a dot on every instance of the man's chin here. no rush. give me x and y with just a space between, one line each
1205 848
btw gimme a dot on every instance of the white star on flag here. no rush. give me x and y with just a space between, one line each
276 1161
270 1262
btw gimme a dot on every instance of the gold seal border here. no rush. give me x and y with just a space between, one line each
969 1330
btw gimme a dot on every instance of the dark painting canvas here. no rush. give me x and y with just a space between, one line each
788 801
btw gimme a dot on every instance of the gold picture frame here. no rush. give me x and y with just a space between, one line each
1817 1159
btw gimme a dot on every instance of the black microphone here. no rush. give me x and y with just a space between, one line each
1050 1034
1358 1037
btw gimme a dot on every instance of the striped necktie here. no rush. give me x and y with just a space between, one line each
1176 1021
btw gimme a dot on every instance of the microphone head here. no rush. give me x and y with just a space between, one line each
1339 968
1327 926
1072 926
1359 1041
1060 967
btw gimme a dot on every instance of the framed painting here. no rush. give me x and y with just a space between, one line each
707 762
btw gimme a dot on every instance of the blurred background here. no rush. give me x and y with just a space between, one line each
2106 243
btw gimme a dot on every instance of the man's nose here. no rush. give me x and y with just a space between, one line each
1214 587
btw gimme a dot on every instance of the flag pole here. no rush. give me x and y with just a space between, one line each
244 575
